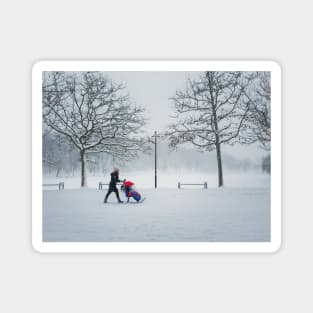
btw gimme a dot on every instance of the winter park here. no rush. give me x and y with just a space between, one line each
156 156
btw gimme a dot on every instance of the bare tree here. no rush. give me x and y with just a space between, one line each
58 153
210 113
94 113
257 126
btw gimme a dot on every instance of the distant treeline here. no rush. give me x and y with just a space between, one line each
61 158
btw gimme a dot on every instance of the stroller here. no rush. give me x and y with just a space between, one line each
130 192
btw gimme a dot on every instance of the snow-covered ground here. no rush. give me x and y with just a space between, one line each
168 214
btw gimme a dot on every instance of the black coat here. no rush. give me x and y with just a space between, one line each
114 180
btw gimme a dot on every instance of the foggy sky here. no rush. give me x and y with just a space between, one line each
152 90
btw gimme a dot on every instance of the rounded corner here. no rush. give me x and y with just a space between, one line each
37 66
276 66
37 247
276 247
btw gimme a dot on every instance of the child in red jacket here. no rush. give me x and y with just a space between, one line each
128 188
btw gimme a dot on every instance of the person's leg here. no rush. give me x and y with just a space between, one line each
107 195
117 195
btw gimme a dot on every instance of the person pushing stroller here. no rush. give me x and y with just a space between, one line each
112 186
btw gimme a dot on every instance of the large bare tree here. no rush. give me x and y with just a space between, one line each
257 126
210 112
95 113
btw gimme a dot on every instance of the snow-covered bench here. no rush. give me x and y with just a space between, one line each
205 185
60 185
105 184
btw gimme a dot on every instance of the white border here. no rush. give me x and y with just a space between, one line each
155 65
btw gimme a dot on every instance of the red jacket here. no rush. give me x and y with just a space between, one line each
128 183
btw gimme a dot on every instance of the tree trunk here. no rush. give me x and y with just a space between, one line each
83 164
217 141
219 163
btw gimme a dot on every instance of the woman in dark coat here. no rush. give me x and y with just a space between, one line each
112 186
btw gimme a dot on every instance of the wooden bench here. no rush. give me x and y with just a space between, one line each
60 185
205 185
106 184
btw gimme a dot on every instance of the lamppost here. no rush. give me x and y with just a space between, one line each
155 136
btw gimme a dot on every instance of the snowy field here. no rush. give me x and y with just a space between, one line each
167 215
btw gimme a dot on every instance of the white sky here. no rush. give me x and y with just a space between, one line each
152 90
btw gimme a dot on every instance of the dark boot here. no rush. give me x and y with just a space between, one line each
106 198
